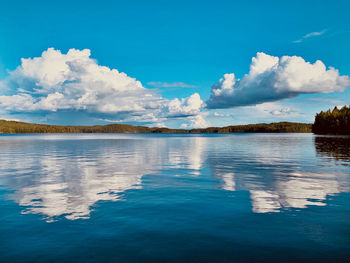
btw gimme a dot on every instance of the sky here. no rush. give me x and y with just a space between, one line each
179 64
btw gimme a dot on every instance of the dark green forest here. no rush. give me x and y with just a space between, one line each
22 127
336 121
278 127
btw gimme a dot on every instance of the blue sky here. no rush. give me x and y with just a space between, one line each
176 49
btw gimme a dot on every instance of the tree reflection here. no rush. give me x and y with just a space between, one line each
335 147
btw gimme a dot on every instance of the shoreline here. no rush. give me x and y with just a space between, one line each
15 127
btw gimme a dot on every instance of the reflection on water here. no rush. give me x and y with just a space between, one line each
68 178
56 177
298 191
292 190
335 147
67 175
271 170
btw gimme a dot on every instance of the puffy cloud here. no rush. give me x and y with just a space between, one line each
272 78
185 108
56 82
197 121
190 106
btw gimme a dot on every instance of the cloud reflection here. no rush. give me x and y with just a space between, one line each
290 190
267 169
298 191
56 177
61 184
66 175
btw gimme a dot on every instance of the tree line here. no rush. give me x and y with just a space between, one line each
280 127
336 121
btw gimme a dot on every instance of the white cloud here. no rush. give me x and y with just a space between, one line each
271 78
57 81
282 111
7 119
312 34
197 121
221 115
160 84
216 114
276 109
190 106
74 81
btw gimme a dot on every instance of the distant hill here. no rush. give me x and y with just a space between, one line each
22 127
278 127
336 121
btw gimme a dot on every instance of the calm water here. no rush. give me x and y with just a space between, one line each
174 198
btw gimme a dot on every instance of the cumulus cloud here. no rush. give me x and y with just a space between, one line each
272 78
197 121
185 107
74 81
57 81
159 84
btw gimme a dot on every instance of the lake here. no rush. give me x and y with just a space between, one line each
174 198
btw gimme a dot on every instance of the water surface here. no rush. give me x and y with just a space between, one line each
174 198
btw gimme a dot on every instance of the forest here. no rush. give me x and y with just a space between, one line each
336 121
22 127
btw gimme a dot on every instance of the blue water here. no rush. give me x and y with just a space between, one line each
174 198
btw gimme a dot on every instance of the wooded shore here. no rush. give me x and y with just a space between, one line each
280 127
